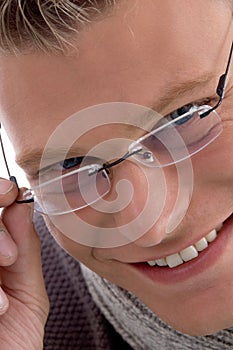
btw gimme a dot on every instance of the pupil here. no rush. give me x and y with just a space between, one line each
184 109
180 111
71 162
147 155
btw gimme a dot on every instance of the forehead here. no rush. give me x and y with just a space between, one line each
132 56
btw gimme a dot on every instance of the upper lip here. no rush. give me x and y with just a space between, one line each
174 249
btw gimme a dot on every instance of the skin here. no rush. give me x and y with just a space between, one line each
35 99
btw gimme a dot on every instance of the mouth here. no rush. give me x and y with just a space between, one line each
189 253
191 260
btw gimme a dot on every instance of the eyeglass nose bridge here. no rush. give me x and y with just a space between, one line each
107 165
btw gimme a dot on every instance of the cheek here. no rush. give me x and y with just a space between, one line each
81 253
124 202
214 165
96 218
76 250
213 180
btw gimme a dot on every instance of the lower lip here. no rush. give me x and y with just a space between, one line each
205 259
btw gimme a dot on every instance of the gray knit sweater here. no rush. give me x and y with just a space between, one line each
76 323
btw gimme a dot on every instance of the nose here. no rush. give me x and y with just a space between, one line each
140 196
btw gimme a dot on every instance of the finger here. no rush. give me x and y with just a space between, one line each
8 248
18 221
8 192
25 274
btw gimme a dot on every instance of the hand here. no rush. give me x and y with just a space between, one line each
23 299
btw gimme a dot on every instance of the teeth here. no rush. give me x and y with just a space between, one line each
174 260
188 253
161 262
211 236
201 245
218 228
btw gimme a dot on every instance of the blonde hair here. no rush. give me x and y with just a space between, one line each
46 25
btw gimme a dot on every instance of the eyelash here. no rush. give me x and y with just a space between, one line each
74 162
71 163
181 110
185 108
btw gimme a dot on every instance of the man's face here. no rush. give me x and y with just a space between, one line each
135 56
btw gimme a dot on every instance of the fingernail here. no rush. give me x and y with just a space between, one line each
5 245
3 302
5 186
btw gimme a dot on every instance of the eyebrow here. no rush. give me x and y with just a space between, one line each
31 159
182 88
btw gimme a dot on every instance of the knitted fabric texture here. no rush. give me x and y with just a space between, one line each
140 327
74 322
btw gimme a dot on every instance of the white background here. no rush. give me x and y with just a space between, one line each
14 169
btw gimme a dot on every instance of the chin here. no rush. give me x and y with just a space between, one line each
198 318
196 329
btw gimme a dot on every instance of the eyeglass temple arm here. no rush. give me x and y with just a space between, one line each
23 201
11 177
221 86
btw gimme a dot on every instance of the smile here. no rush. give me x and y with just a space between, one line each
192 260
188 253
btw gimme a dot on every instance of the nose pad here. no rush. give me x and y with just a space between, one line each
138 219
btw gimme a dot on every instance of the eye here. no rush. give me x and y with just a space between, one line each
76 162
182 111
66 166
71 162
